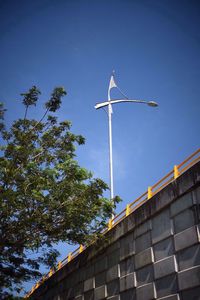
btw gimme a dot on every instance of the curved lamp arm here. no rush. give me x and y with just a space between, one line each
106 103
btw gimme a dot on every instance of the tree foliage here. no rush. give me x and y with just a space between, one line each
45 196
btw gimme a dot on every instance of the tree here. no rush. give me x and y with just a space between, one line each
45 196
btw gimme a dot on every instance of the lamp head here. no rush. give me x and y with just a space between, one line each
152 103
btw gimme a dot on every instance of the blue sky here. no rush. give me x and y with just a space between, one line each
154 47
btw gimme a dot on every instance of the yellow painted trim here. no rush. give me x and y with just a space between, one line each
110 224
81 248
150 193
59 265
69 257
176 172
128 209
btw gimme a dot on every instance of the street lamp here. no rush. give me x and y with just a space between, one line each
108 104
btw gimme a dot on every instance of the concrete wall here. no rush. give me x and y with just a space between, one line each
152 254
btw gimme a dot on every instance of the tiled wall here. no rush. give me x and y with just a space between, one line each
159 259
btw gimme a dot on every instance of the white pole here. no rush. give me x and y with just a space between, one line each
110 150
110 146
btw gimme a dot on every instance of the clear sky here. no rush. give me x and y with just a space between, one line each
154 47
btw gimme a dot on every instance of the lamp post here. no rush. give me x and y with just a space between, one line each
108 104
